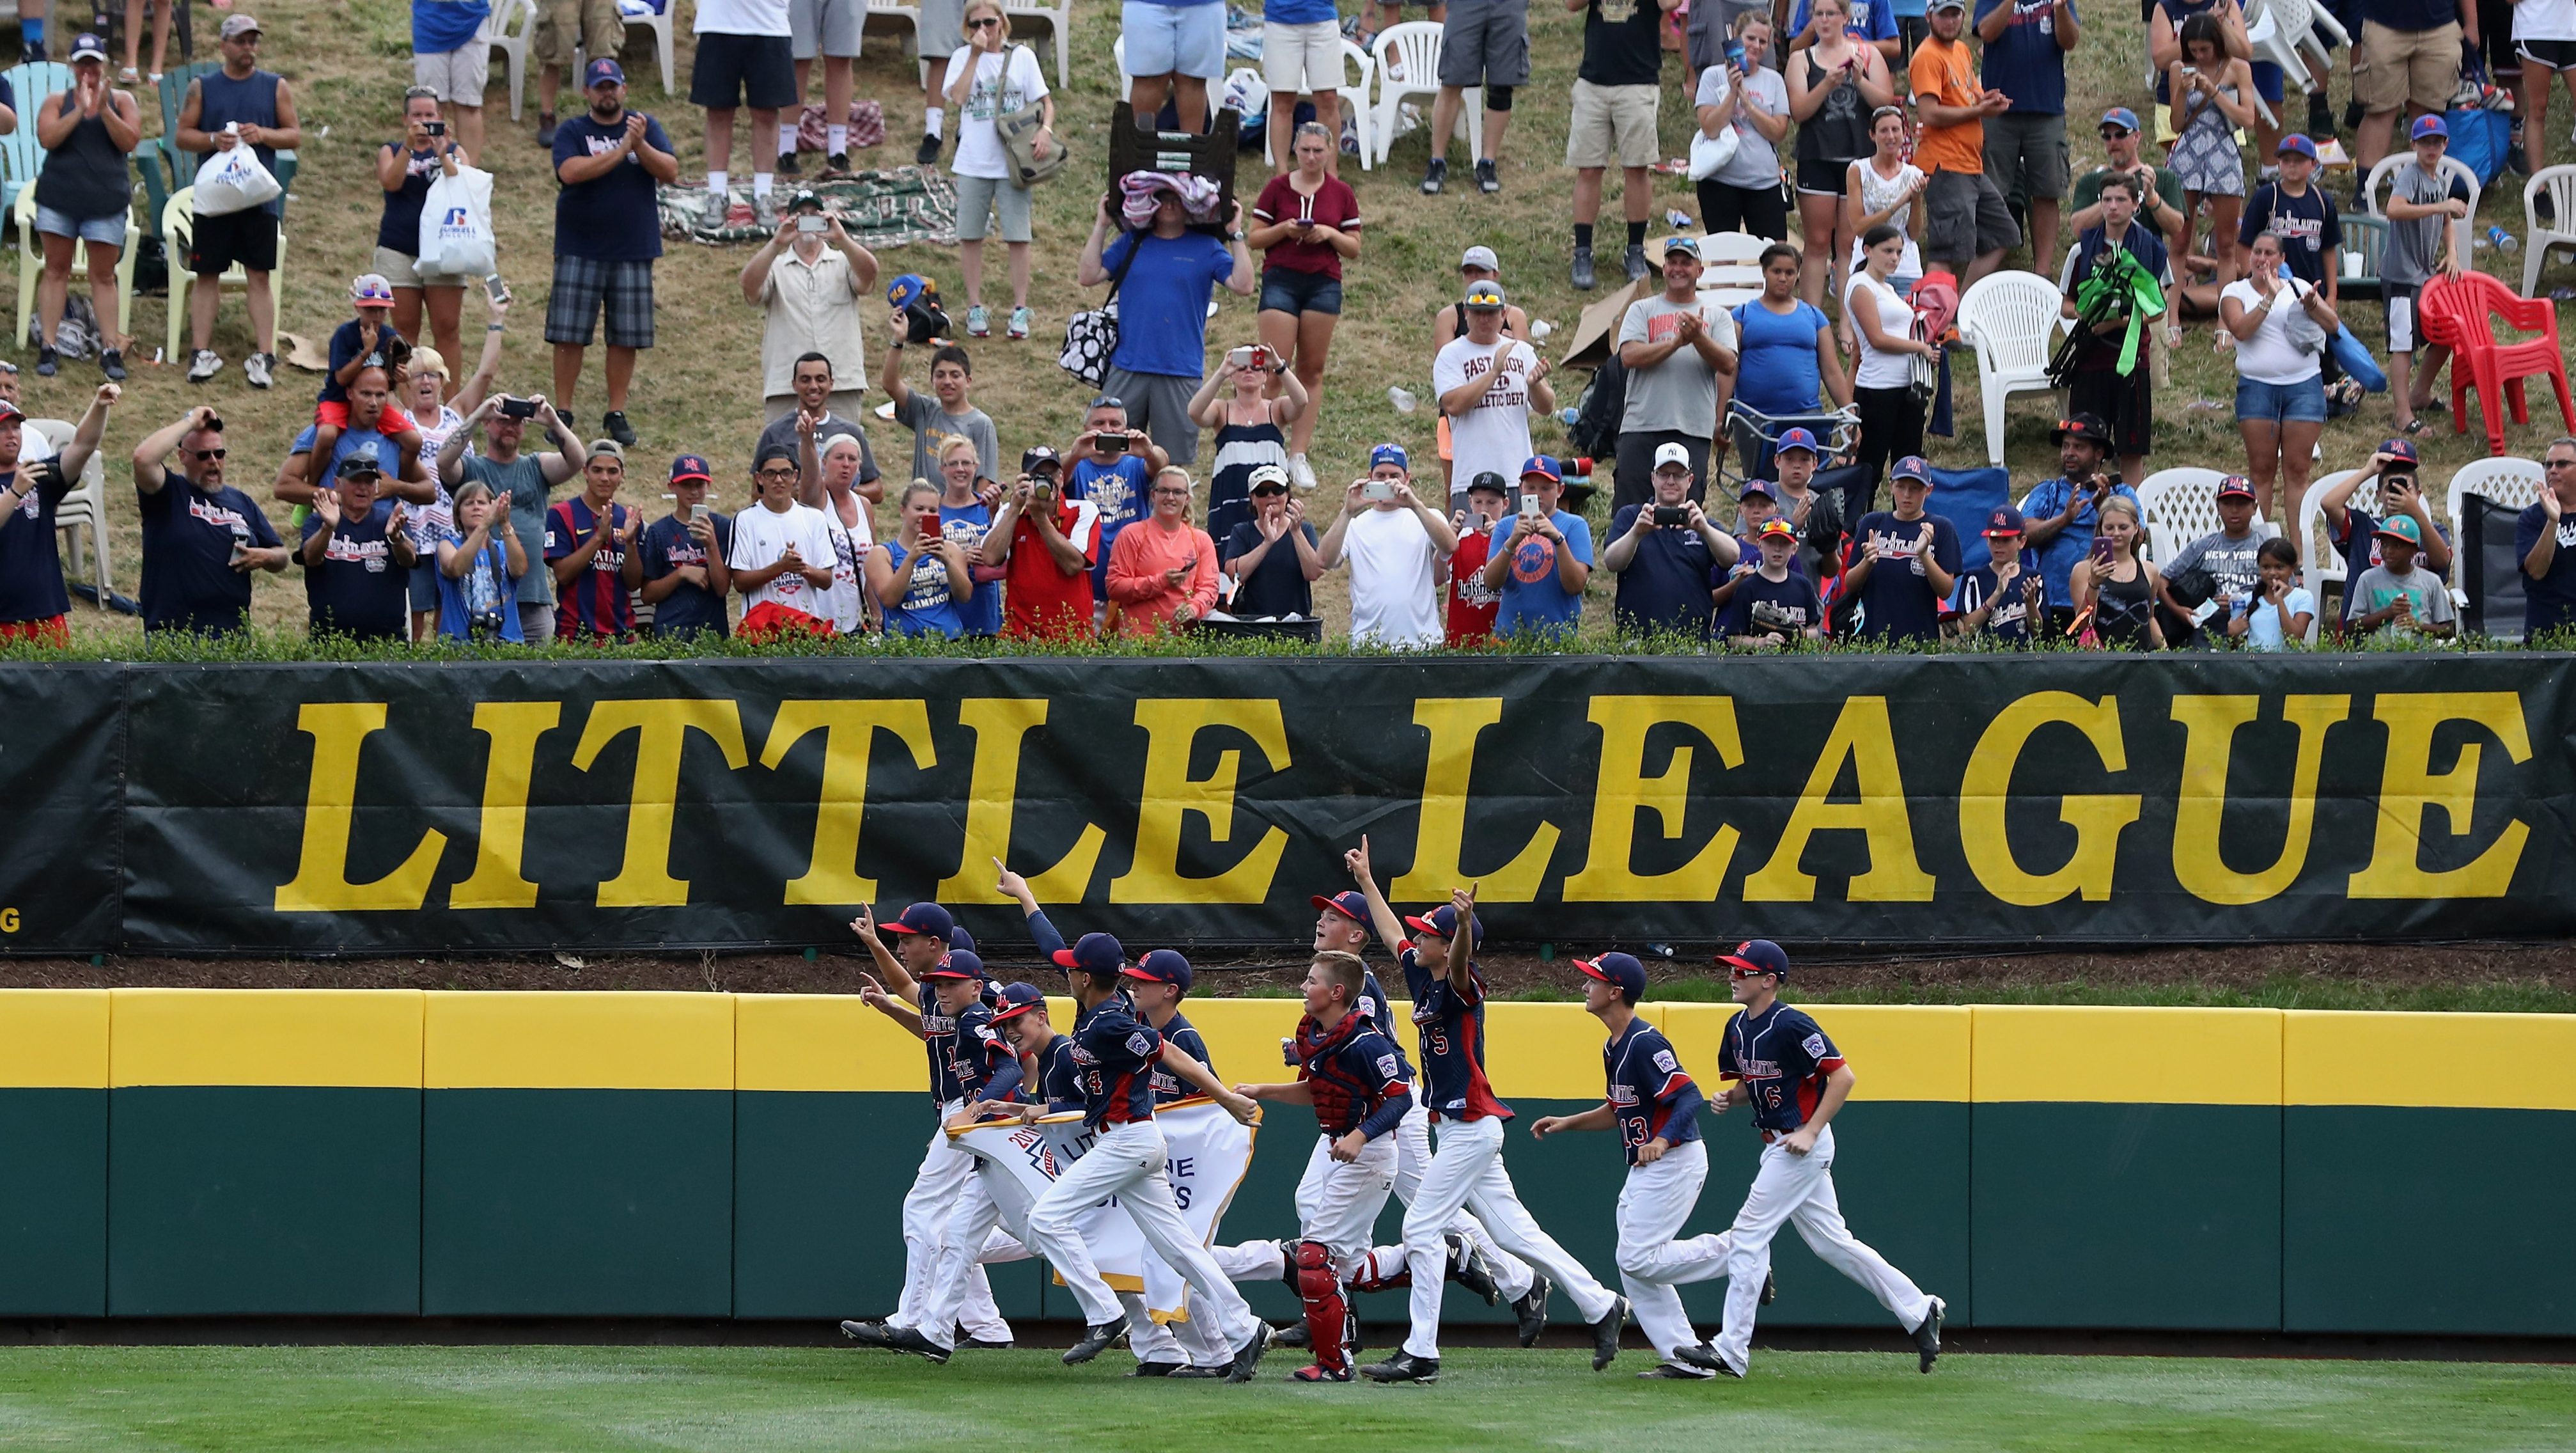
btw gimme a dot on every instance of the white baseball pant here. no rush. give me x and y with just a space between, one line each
945 1171
1799 1189
1467 1171
1128 1162
1192 1339
1657 1199
974 1223
1337 1204
1412 1154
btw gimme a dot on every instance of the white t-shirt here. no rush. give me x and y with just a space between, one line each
742 17
994 94
1756 162
761 535
1495 434
2267 357
1880 369
2544 20
1395 600
849 557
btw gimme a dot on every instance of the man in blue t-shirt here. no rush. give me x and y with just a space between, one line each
685 576
1163 272
358 558
2026 42
1540 557
1904 562
1662 551
2059 515
33 603
607 234
201 537
1112 466
2542 540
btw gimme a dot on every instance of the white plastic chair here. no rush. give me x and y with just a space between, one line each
178 225
911 15
658 22
2515 482
508 30
1358 101
2178 506
2560 183
2320 562
2008 318
2452 166
1059 21
1720 248
1408 66
83 511
31 265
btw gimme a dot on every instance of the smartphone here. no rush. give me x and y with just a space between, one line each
811 223
517 408
1665 514
495 289
1377 489
434 128
1114 443
1531 508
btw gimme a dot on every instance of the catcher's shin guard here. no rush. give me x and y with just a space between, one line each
1328 1311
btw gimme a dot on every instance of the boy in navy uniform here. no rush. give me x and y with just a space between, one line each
1904 562
1155 984
2005 595
1773 606
686 578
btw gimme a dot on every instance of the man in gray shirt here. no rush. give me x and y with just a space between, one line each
521 479
1673 349
2423 206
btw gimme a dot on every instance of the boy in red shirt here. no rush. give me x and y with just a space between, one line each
1473 603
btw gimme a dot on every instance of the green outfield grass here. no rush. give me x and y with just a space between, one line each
759 1398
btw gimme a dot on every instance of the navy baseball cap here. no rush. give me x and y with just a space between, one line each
958 937
1019 999
2429 124
1443 921
1796 439
2086 427
1912 467
1349 903
1762 487
2295 144
2122 117
601 71
2236 486
2400 451
956 964
926 918
362 462
2004 522
690 466
87 46
1093 953
1616 968
1389 454
1758 956
1163 966
1542 465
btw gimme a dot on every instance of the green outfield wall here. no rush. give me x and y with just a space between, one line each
395 1153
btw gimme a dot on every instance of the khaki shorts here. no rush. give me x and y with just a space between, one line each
1301 60
1612 123
458 76
403 272
593 25
2394 67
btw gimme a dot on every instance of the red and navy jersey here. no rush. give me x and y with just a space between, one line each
1059 1079
939 1036
1783 1059
1356 1074
1184 1036
1650 1092
1114 1054
598 599
1451 1025
1373 1007
980 1060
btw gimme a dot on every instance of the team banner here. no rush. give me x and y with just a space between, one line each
736 803
1209 1153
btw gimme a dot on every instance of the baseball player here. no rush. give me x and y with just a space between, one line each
1155 984
1654 1105
924 931
1114 1054
1779 1061
1466 1168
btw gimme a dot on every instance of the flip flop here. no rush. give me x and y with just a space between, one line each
2417 426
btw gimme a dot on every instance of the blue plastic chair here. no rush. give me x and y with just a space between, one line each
33 83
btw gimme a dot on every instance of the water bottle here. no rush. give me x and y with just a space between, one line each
1680 218
1404 402
1567 417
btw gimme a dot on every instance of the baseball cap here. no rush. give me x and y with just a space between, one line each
1796 439
1687 246
1093 953
2236 486
1616 968
88 47
236 26
371 287
1018 999
1388 454
805 197
1543 466
1443 921
2429 124
2004 521
2122 117
958 937
607 447
1671 454
1484 296
1758 955
1480 256
2087 427
1762 487
924 918
1912 467
1488 479
601 71
1267 474
1349 903
1937 6
1778 527
690 466
911 285
2401 527
362 462
9 411
2400 450
957 963
1163 966
2294 142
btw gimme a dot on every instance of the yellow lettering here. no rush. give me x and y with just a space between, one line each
849 733
1455 723
661 728
1623 790
500 844
8 920
2408 787
999 724
1862 737
1986 791
1171 795
321 885
2210 724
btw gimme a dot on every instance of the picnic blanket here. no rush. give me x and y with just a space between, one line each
880 209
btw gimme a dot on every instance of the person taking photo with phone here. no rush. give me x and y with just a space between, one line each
1540 558
404 169
1663 551
519 480
1251 424
1044 542
1395 544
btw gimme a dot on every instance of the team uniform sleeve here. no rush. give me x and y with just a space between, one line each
1820 1048
1043 934
1006 1081
559 531
1727 1067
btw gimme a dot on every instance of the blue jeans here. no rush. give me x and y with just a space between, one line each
2303 402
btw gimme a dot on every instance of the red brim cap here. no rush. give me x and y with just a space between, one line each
2003 534
895 926
1592 969
1425 925
1321 902
1131 971
949 971
1063 958
685 478
1014 1011
1745 964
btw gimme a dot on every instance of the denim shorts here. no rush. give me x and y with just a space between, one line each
1187 39
1285 290
2303 402
109 229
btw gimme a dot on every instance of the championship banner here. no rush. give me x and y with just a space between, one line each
1209 1153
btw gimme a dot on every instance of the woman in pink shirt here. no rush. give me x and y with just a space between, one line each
1162 568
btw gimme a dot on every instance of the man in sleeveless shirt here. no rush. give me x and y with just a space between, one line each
240 105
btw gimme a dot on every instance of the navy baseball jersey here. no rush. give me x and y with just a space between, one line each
939 1036
1059 1079
1373 1007
1182 1035
980 1060
1650 1092
1451 1026
1783 1059
1357 1076
1114 1053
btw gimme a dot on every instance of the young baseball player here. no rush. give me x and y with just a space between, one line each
1114 1054
1780 1062
1155 984
1466 1168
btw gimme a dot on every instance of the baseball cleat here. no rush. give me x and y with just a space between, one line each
983 1344
866 1334
1320 1373
1468 1268
1605 1333
1153 1369
1699 1355
1677 1372
1247 1358
1095 1340
1292 1335
1770 1289
1403 1367
1728 1369
1532 1309
1927 1338
1195 1371
907 1339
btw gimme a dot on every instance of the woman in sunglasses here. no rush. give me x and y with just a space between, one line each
403 169
990 78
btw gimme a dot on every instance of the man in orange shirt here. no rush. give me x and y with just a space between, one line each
1163 568
1967 228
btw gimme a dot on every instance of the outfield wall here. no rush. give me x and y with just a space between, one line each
395 1153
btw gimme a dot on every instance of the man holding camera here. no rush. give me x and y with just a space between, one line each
1662 551
1044 542
1488 386
201 537
1395 544
1540 558
1113 467
2060 514
521 479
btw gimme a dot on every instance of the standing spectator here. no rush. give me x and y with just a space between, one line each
519 481
946 412
1835 81
2408 57
819 397
1744 194
782 554
357 558
966 500
2544 40
1879 191
1113 470
1904 562
1618 91
1488 386
2281 610
1967 228
936 36
1301 55
829 29
808 282
1271 557
685 577
1395 544
82 198
2425 206
1044 543
1164 274
2158 188
989 78
1674 350
161 18
403 169
2025 43
1891 417
1485 43
745 58
34 606
564 29
1540 558
1873 22
240 105
2355 533
2165 20
1472 603
449 56
2005 595
2063 513
1307 225
1175 48
478 561
1663 552
1476 265
2297 211
2115 589
608 233
2227 553
2280 386
2393 594
590 546
1251 427
2212 94
1786 361
1162 573
2544 540
2125 399
201 537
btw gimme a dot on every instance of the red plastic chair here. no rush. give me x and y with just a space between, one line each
2460 313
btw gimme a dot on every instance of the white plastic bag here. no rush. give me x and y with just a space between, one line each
1710 154
456 225
233 181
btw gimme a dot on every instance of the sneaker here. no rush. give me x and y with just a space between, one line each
979 322
1194 1371
789 166
764 211
1292 1335
1699 1355
1435 176
1153 1369
1770 1289
1581 271
1678 1373
2320 116
1021 321
35 53
926 154
2351 115
566 416
1636 261
1927 1338
546 129
204 364
1403 1367
614 421
260 369
1317 1372
48 362
1487 180
907 1339
1531 1309
1247 1358
983 1344
1468 1269
837 165
112 363
1300 473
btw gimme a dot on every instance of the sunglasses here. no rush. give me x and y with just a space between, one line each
202 455
1740 972
981 24
1261 490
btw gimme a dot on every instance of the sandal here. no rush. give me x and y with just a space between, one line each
129 76
2416 426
